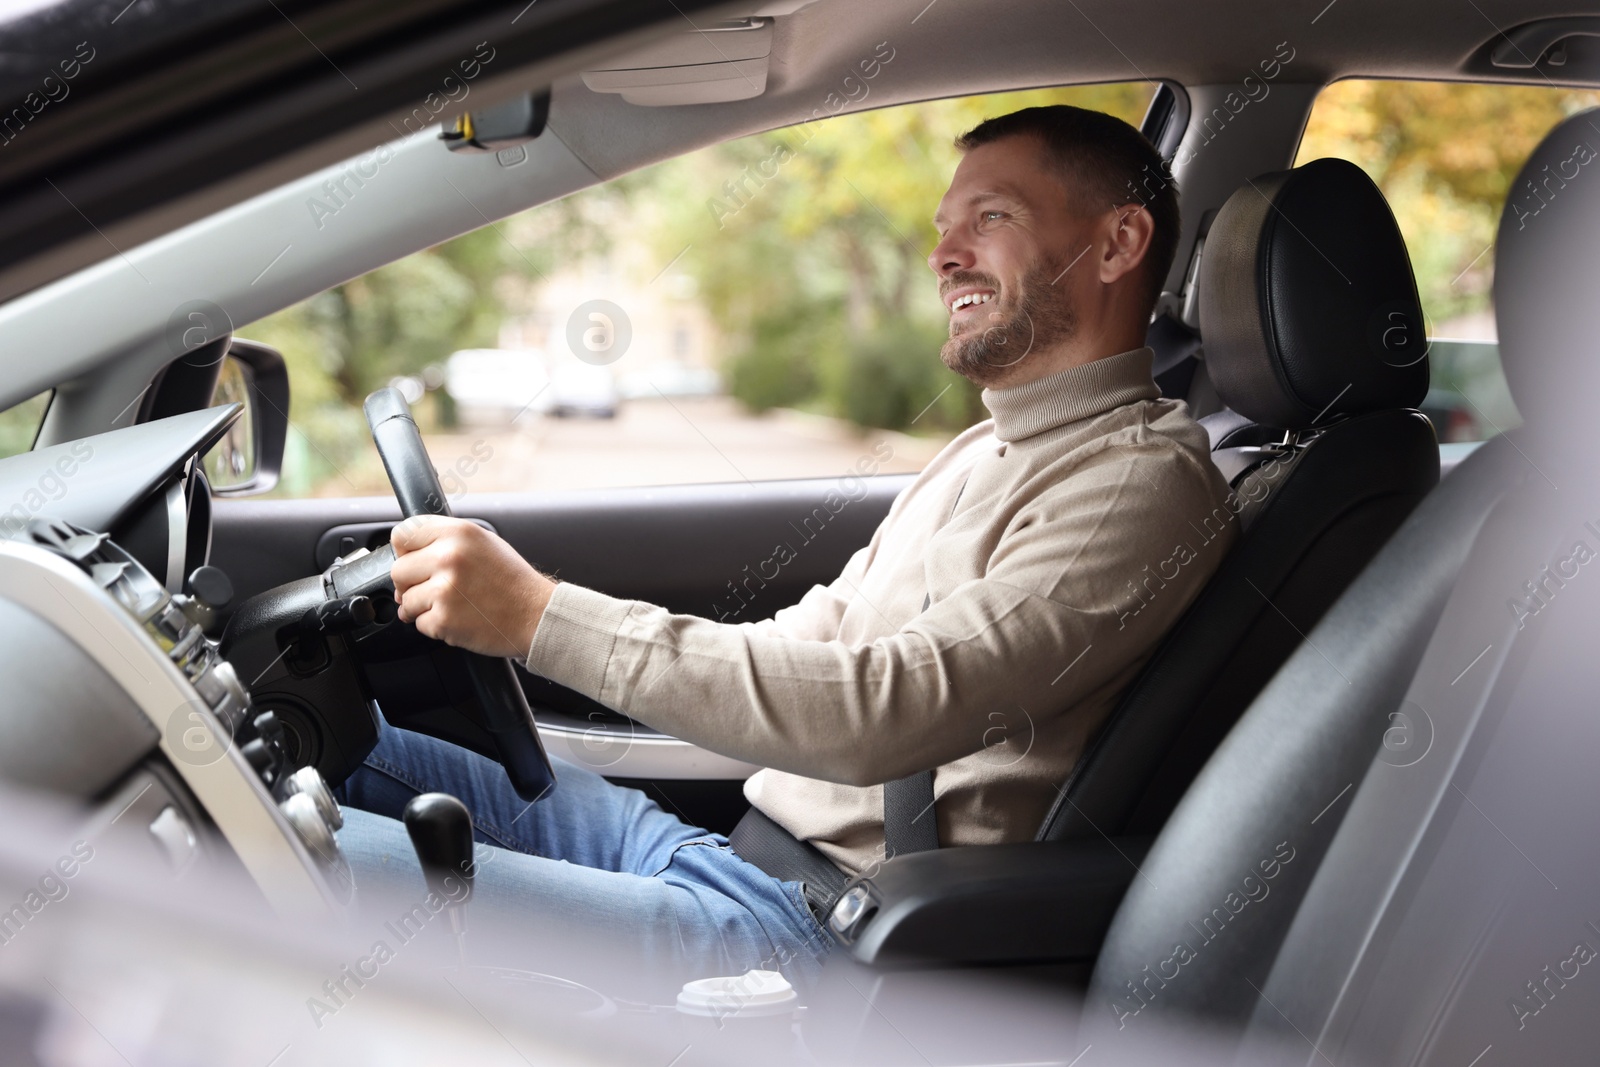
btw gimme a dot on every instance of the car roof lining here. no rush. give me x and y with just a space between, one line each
940 52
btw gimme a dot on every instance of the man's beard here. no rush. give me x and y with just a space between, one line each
1040 316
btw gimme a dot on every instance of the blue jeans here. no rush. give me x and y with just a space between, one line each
593 872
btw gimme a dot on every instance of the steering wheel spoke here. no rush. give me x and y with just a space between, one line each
506 715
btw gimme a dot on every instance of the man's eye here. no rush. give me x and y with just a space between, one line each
989 216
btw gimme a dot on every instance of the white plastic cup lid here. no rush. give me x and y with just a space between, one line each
750 995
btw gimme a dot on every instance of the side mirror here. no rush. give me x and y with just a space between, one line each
249 456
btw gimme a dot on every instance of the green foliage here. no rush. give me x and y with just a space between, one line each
342 344
1445 155
19 424
825 229
777 367
892 378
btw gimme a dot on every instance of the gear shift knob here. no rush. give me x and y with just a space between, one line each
441 831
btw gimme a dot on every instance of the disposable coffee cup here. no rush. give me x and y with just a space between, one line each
750 1012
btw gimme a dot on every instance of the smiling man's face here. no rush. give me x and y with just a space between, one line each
1009 235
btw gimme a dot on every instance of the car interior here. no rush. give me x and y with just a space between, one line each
1278 831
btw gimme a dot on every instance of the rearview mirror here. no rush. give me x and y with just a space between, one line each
506 125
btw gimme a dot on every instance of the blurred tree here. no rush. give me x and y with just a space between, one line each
891 377
829 224
1445 155
777 367
356 337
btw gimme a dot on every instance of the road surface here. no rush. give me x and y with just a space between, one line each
650 442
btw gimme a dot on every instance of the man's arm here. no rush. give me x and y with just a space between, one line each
820 612
501 597
1048 623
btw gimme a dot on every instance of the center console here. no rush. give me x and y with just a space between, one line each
185 708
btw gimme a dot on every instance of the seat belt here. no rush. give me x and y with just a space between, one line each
762 842
909 822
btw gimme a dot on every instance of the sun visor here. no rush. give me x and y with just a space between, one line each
711 64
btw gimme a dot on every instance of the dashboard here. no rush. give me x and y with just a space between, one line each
142 484
130 688
117 696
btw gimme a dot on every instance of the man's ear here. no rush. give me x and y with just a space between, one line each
1129 228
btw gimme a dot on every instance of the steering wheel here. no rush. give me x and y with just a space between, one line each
507 717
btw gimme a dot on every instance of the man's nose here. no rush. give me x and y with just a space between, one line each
950 255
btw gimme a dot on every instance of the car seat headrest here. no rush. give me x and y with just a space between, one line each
1308 307
1547 260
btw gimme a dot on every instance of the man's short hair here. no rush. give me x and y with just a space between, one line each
1106 163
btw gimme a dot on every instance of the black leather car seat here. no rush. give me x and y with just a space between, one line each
1314 339
1411 885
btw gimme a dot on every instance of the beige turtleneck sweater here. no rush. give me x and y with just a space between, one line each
1091 515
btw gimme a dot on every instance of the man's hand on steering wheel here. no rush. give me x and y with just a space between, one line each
466 587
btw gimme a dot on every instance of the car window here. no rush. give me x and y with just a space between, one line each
1445 155
19 424
757 309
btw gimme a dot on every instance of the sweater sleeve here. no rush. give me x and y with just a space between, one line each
819 613
1054 617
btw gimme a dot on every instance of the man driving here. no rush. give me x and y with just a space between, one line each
940 690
